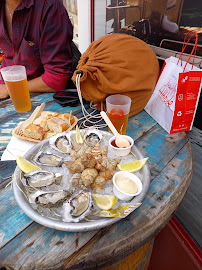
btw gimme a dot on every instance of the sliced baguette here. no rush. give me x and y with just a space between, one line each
34 132
57 124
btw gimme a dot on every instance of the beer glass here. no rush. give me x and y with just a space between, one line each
15 79
118 108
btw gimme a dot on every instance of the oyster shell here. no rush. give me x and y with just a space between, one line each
49 198
48 159
60 143
77 207
38 179
92 136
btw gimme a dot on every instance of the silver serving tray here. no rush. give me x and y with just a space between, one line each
71 227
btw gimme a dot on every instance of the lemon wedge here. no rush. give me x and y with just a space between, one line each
133 166
105 202
25 165
79 138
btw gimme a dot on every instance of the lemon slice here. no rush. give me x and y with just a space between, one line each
133 166
25 165
105 202
79 138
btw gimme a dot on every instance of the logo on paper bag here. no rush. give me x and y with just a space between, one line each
180 97
185 79
167 92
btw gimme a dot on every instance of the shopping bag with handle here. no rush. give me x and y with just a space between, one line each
174 101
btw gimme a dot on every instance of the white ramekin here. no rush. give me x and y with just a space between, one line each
121 194
122 151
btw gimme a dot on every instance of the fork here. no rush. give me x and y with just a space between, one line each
33 116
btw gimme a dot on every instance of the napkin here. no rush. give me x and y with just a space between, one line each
16 147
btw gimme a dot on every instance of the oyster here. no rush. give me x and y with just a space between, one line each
38 179
60 143
92 136
77 207
49 198
48 159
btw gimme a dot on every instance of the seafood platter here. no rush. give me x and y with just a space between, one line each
61 194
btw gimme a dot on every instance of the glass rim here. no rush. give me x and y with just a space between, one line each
129 100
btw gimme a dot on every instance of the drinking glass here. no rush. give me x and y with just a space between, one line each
118 108
15 79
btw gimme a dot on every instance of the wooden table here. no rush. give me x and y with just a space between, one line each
24 244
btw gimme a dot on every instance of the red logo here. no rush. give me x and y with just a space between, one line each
116 115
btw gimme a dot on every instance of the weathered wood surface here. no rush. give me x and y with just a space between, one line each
27 245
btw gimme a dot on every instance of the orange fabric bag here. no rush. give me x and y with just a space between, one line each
118 63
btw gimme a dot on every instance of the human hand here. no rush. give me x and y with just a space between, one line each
3 91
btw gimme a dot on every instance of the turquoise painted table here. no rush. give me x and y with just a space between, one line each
24 244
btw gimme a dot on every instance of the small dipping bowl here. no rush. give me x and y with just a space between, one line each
121 151
120 193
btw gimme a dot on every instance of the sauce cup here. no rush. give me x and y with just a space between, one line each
121 194
121 151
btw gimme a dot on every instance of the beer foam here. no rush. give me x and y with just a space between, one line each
13 73
13 77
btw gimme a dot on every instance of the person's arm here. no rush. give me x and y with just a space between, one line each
3 91
37 85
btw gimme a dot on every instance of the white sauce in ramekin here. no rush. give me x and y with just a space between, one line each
126 184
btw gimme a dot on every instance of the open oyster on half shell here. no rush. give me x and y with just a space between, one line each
61 143
49 198
41 178
77 207
92 136
48 159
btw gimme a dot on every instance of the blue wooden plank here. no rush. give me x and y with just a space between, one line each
139 124
160 147
9 109
13 220
6 169
39 245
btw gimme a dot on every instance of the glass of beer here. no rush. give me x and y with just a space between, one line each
15 79
118 108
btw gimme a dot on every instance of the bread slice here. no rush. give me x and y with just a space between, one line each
57 124
48 113
44 123
34 132
38 120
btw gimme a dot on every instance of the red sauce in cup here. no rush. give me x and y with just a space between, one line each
114 144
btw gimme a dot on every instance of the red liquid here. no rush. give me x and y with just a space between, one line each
114 144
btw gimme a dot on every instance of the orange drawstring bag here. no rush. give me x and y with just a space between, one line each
118 63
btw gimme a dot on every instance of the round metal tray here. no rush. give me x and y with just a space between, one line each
72 227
